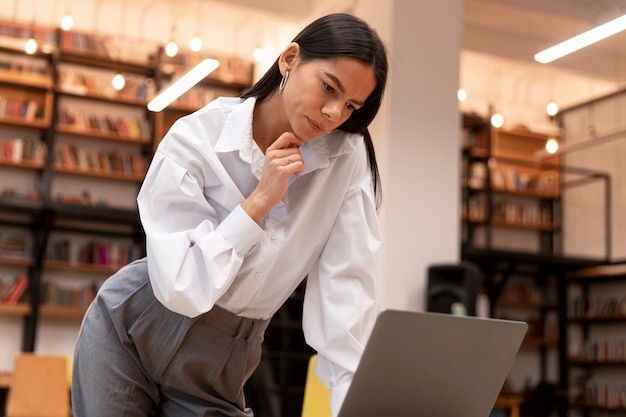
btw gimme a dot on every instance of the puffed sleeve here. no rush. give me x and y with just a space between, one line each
193 253
340 298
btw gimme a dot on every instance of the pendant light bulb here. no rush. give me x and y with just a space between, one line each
118 81
30 47
171 49
552 108
552 145
259 54
195 44
461 94
497 120
67 22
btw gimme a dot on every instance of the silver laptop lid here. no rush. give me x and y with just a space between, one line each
421 364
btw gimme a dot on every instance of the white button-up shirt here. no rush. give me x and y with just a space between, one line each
203 248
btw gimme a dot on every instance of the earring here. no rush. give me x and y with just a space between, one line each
283 81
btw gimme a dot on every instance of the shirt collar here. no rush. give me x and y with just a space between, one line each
237 136
237 131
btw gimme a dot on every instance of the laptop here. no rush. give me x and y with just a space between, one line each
424 364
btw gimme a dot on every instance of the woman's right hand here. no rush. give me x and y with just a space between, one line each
282 160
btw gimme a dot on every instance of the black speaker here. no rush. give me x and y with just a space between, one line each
453 288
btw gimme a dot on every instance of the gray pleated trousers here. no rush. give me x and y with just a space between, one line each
136 358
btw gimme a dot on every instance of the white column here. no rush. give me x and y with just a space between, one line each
417 142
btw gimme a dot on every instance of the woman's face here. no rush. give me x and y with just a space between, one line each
321 94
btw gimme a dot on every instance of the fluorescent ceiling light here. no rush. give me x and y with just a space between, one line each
183 84
580 41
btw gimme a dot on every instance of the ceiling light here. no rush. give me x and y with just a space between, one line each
259 54
30 47
182 84
118 81
171 49
461 94
497 120
580 41
552 108
195 44
67 22
552 145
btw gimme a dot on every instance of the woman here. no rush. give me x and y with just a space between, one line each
243 200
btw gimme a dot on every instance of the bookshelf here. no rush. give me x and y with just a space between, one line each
73 154
596 346
511 206
511 200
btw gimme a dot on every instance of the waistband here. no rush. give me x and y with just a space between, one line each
234 325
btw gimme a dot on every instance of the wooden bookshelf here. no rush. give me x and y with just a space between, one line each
19 309
74 200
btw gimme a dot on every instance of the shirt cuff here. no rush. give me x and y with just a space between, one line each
337 395
240 230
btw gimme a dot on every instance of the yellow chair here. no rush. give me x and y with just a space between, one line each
39 387
316 401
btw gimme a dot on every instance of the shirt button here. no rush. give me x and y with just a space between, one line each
237 303
273 236
280 204
258 275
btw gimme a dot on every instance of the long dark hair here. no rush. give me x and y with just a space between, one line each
332 36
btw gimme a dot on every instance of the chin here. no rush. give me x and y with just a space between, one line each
305 134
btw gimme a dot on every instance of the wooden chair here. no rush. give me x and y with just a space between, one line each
316 401
39 387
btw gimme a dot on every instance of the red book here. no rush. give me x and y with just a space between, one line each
21 283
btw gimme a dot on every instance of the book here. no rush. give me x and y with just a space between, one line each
18 289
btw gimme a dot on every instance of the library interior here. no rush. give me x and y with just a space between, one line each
495 161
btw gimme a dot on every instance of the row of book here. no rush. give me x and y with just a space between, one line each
84 84
601 350
23 68
17 290
65 296
70 157
592 393
597 307
522 291
511 178
508 211
527 214
15 245
19 107
19 30
105 254
14 290
83 199
13 192
112 255
23 150
128 127
80 42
